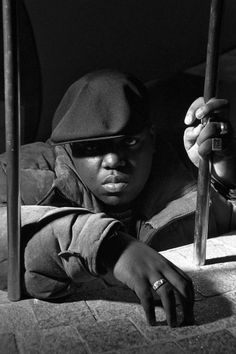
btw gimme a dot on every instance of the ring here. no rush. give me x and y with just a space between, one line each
216 144
158 284
223 128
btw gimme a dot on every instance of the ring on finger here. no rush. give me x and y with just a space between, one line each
158 283
216 144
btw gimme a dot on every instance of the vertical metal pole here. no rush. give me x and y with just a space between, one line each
12 122
210 84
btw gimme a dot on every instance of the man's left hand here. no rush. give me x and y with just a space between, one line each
215 138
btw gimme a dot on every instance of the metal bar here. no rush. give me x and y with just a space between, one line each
12 122
210 86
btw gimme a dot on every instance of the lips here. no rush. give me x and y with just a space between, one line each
115 183
116 179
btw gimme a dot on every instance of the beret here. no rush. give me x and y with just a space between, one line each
103 104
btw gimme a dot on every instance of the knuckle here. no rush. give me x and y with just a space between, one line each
142 290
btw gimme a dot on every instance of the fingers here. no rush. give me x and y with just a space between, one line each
190 115
185 295
190 136
147 301
200 137
210 131
184 290
186 301
212 106
188 313
139 267
166 293
167 296
177 283
200 110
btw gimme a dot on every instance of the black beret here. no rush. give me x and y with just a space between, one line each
101 105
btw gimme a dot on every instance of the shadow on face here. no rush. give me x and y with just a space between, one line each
115 170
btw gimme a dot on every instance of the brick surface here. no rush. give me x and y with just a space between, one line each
16 317
163 333
183 257
101 318
213 280
61 340
221 342
51 315
4 297
29 342
214 309
163 348
231 296
106 310
218 250
116 334
8 343
232 331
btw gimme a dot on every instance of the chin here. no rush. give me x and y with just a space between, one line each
115 201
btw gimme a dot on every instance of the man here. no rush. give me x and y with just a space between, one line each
104 194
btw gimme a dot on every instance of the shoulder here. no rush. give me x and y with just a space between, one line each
38 155
37 163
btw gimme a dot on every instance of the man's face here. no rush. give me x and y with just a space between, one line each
115 170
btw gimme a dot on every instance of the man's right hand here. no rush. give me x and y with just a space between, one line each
139 267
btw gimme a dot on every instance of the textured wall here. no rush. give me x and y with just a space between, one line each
152 39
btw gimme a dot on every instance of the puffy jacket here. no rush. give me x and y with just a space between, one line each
64 225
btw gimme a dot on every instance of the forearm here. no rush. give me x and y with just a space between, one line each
60 247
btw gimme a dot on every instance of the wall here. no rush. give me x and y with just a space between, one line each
153 39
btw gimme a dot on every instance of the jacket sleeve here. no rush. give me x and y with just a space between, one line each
223 212
60 247
36 171
174 225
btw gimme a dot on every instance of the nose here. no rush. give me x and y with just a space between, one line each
113 160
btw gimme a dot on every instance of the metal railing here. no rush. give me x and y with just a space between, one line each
204 169
12 124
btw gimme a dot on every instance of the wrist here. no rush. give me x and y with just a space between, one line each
111 249
228 192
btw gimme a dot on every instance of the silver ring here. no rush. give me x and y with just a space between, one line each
223 128
158 284
216 144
